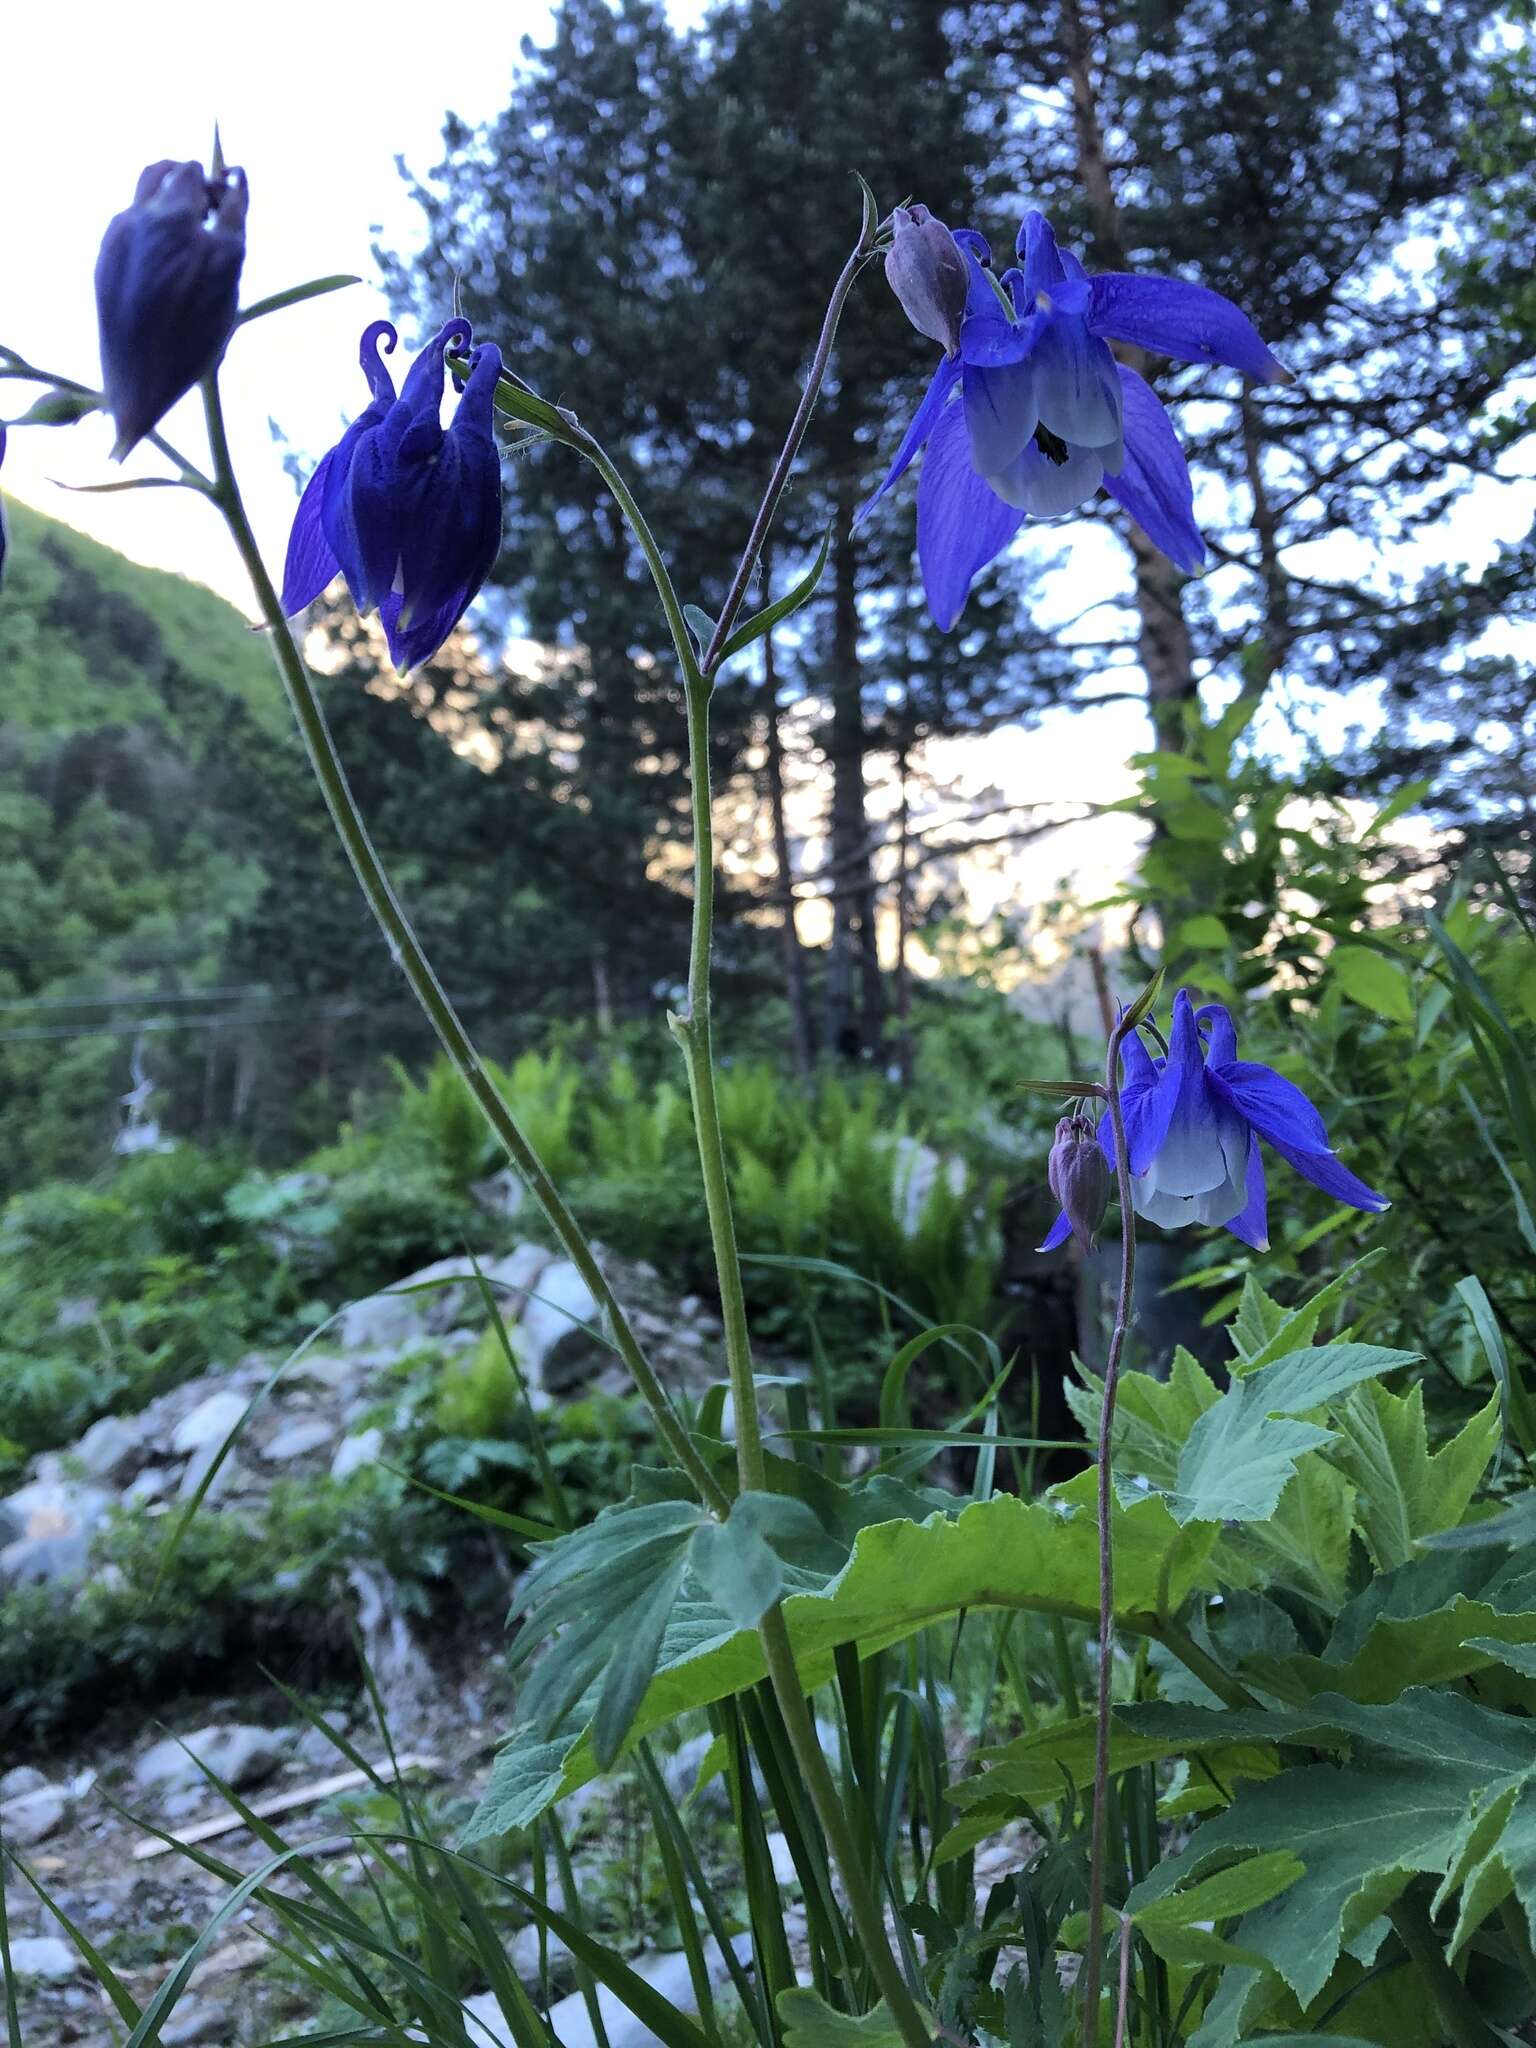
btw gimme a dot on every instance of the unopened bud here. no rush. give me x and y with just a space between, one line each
927 272
1079 1176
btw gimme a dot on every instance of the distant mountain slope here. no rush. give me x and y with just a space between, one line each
88 637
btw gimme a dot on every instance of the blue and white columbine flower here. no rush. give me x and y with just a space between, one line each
408 513
1029 413
1193 1122
167 291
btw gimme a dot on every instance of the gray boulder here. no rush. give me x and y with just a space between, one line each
557 1338
209 1423
112 1447
383 1324
354 1452
34 1816
46 1529
43 1955
233 1751
666 1972
297 1439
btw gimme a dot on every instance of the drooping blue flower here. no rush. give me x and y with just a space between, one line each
1031 413
408 513
1193 1122
167 291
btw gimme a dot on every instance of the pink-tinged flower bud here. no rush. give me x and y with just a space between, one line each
1079 1176
926 271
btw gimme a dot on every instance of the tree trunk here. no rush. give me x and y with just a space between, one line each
1164 636
855 999
800 1051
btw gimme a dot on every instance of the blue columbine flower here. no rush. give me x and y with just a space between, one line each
1030 413
167 291
409 514
1193 1122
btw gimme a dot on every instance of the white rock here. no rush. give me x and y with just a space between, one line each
552 1335
210 1422
46 1530
233 1751
34 1816
322 1369
382 1323
19 1780
296 1439
520 1268
43 1955
153 1483
195 2020
354 1452
570 2022
783 1863
109 1446
230 1474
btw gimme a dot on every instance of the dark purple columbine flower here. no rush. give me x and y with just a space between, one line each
1031 413
1193 1122
409 514
167 291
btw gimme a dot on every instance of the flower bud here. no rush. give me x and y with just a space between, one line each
927 272
167 285
1079 1176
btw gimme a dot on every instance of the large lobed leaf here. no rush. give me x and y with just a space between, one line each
901 1576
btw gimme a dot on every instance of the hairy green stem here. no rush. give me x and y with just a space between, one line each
1093 1957
1464 2025
406 949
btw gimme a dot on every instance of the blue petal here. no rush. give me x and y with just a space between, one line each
961 522
410 646
363 515
1075 384
1275 1107
988 338
1251 1223
1206 1139
1153 483
1186 321
1057 1235
1044 488
923 420
450 515
1037 251
311 560
1000 415
1324 1171
1221 1042
1145 1107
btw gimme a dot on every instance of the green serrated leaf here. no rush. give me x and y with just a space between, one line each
1264 1331
1243 1450
1404 1491
1037 1556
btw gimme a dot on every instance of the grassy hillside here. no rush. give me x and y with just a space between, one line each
128 694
